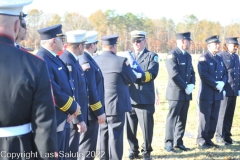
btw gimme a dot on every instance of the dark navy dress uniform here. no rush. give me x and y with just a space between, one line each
94 76
117 75
180 74
232 87
142 99
81 97
25 96
62 88
211 69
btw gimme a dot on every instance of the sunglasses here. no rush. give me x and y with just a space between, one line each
137 40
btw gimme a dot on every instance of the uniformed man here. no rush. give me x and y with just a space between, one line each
96 113
27 116
181 82
117 75
142 97
212 80
75 47
231 89
63 89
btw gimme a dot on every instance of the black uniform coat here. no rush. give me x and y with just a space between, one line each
142 92
79 82
181 73
231 62
25 96
117 76
95 86
62 89
210 70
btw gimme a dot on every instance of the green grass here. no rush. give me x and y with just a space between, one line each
230 152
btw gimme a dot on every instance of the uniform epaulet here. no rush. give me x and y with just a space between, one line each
169 56
202 59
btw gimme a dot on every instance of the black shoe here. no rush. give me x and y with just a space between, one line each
221 141
146 156
132 156
204 146
169 149
230 141
182 147
213 145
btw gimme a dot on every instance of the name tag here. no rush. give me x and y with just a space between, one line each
211 63
228 60
59 68
182 63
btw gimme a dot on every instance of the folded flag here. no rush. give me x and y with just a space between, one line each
133 63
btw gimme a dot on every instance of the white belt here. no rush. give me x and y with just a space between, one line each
15 130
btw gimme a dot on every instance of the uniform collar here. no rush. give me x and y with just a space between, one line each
54 54
73 54
88 53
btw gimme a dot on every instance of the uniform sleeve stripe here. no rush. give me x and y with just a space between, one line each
148 76
96 106
67 105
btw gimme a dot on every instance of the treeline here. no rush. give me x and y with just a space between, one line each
160 32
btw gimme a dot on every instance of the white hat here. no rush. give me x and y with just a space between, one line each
91 37
137 33
13 7
76 36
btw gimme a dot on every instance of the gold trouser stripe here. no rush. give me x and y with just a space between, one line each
67 105
148 76
96 106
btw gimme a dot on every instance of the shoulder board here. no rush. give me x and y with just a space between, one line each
169 56
202 59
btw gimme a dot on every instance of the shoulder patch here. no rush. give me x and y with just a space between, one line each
127 63
202 59
169 56
155 58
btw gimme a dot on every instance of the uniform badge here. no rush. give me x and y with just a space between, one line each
211 63
85 66
155 58
69 67
127 63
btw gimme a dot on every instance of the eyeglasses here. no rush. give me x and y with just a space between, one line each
61 38
137 40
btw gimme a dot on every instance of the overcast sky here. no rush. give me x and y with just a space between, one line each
226 12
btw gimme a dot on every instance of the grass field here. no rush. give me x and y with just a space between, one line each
230 152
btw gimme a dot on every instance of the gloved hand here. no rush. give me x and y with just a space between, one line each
224 93
188 90
220 85
138 75
238 92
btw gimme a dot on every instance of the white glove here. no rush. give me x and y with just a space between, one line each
224 93
220 85
238 92
138 75
188 90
